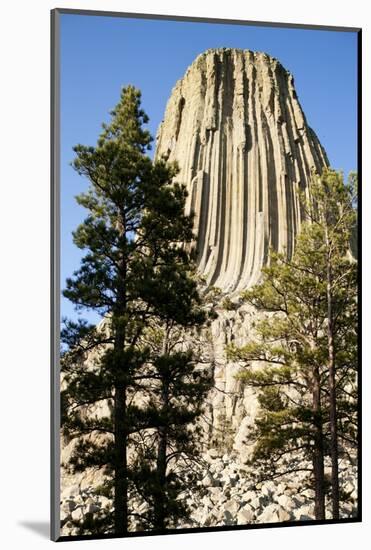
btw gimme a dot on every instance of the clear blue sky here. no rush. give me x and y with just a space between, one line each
99 55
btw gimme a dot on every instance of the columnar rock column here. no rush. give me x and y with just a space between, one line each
236 128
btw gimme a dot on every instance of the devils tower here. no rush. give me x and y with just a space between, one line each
235 126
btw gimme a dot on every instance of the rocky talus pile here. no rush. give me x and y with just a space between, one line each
226 495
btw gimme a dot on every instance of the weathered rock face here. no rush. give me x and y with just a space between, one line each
236 128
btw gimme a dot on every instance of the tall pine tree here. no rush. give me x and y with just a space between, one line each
332 215
133 270
305 345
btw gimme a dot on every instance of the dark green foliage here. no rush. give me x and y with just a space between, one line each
175 391
228 304
309 330
135 272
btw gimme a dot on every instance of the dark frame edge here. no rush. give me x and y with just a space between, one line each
216 529
359 247
55 273
169 17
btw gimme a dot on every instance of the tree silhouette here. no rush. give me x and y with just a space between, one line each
135 270
303 359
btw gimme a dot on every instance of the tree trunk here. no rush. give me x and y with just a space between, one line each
160 494
160 499
120 413
332 391
121 489
318 461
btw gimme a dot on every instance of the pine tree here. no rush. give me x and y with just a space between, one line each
332 214
307 344
170 451
135 269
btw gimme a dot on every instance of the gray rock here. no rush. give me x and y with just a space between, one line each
286 502
92 508
77 514
210 481
279 489
284 515
215 494
245 516
206 502
105 502
68 505
306 510
231 506
213 454
269 515
349 486
74 490
64 515
299 500
248 496
308 494
208 520
257 502
229 519
304 517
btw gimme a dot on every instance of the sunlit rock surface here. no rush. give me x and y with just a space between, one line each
236 128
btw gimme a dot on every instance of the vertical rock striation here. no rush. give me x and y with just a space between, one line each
236 128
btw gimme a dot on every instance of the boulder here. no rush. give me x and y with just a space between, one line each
231 506
248 496
212 454
77 514
68 505
215 494
210 481
284 515
269 514
286 502
245 516
229 519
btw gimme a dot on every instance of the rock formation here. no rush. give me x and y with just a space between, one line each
236 128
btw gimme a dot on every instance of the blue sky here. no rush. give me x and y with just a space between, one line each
99 55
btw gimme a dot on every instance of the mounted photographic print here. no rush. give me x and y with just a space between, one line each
205 275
